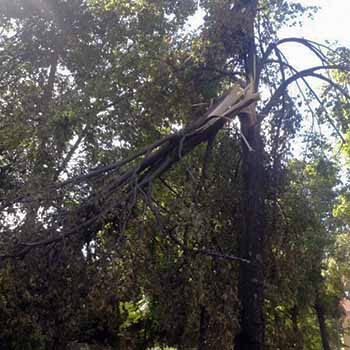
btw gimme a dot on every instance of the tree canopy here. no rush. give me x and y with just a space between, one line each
150 191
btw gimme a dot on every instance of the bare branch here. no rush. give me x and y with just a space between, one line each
310 72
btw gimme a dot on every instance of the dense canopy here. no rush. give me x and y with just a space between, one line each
170 185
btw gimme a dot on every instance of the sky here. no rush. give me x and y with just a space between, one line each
332 22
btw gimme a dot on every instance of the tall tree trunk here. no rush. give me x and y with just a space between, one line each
322 324
251 275
297 334
203 325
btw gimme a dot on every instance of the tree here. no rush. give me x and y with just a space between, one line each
96 80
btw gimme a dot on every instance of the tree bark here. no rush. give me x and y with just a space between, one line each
297 334
251 276
203 325
322 324
253 227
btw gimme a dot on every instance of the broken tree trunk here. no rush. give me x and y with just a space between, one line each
253 225
125 179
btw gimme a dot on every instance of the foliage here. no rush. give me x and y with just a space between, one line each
98 247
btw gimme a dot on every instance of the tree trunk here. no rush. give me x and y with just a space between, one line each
253 227
203 325
297 334
322 324
251 276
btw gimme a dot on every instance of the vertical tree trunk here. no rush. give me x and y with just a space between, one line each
322 324
203 325
297 334
251 276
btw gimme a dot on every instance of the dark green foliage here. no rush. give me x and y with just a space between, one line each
85 84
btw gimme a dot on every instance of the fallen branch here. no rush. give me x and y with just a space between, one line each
136 172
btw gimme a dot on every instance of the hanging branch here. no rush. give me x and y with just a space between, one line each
310 72
120 191
124 178
302 75
310 45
